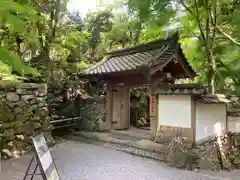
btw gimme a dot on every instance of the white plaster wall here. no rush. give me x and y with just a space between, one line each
174 110
208 117
233 124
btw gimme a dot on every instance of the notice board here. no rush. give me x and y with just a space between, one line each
44 158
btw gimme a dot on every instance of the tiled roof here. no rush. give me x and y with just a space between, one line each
181 89
134 58
213 99
199 91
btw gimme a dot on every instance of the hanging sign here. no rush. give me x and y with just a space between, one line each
152 105
44 160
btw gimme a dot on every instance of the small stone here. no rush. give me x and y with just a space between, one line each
16 154
20 137
37 125
202 148
19 104
41 99
27 97
30 86
24 91
13 97
42 111
41 93
36 119
7 152
10 144
17 110
2 95
31 108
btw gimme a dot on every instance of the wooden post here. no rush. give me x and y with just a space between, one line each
126 107
193 120
153 116
109 109
226 127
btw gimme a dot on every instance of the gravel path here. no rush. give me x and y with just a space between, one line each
81 161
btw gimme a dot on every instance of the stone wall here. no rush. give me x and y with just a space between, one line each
166 133
220 152
63 102
204 156
208 152
214 153
23 112
93 113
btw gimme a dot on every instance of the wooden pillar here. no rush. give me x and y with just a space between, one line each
226 127
193 120
126 105
153 116
109 108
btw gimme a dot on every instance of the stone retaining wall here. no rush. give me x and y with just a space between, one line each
208 153
166 133
63 102
93 113
23 112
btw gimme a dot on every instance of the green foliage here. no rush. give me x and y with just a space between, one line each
15 18
14 63
61 48
208 32
82 65
151 34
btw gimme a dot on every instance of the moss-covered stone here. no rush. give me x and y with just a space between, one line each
23 111
12 97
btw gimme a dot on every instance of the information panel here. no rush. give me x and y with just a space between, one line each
44 157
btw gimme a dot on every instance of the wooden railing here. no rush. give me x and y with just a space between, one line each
65 123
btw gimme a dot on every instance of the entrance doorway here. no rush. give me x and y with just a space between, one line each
121 108
139 110
117 110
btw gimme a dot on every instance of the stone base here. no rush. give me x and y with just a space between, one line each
166 133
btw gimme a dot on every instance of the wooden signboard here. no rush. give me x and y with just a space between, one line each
152 106
44 160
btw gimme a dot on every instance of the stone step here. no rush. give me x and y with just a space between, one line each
121 147
135 133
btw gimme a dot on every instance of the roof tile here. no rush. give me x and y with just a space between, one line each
134 58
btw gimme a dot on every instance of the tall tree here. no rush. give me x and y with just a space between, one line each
211 21
96 23
16 18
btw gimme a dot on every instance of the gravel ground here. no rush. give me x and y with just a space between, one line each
82 161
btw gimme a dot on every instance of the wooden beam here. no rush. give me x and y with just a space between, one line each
159 67
183 62
163 50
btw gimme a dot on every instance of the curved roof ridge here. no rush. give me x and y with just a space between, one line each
173 40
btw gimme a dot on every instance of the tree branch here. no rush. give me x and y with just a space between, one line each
228 69
214 22
196 16
227 36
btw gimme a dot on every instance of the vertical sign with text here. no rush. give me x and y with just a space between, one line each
152 106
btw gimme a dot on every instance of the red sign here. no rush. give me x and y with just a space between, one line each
152 104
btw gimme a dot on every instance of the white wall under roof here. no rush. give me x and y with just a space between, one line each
175 110
233 124
208 119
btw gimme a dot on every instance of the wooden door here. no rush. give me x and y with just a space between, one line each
117 115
